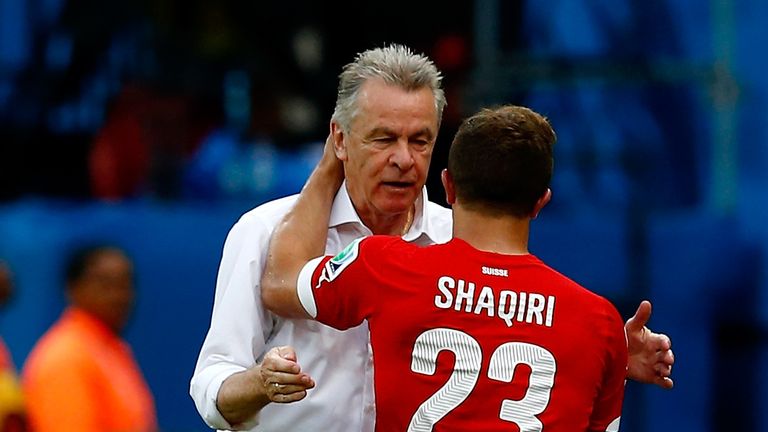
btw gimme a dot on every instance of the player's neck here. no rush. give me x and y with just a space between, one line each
500 234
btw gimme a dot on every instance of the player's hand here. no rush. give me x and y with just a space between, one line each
282 378
650 354
329 159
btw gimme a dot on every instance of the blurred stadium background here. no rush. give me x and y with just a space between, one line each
155 124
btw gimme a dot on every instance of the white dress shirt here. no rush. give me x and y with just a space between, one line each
242 330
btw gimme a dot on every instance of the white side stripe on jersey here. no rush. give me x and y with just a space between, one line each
304 287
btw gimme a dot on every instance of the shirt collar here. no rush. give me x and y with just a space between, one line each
344 212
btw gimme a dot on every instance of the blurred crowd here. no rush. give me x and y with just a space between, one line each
186 100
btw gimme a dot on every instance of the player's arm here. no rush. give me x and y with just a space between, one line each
650 354
302 234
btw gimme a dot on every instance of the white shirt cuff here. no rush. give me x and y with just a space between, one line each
204 389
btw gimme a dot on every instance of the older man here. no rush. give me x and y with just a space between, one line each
387 95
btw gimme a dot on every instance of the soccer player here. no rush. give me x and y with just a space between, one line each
387 94
476 333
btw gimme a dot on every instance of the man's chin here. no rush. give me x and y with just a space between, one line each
398 203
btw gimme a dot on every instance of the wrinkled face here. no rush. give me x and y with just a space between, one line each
387 151
106 289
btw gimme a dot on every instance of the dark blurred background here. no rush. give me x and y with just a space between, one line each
155 124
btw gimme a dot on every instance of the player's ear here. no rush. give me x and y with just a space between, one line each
450 188
541 203
339 141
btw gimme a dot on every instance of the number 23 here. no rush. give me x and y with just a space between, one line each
466 371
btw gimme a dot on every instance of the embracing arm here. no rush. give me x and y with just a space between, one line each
301 236
650 354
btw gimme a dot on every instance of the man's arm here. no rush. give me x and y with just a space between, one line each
278 378
650 354
301 235
228 385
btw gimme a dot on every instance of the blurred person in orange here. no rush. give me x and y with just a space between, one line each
82 375
11 400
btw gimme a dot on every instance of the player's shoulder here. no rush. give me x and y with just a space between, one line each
385 243
587 299
598 306
385 249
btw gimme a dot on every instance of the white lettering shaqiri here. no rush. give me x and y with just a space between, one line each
510 306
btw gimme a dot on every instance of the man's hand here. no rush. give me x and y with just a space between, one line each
278 378
282 377
650 354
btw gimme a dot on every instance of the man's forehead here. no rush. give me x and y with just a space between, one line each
374 89
389 108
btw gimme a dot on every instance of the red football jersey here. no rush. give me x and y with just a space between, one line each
470 340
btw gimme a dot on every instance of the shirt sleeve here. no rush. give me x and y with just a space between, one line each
240 325
341 291
606 414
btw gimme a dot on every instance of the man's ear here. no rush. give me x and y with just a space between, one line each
544 200
450 188
339 141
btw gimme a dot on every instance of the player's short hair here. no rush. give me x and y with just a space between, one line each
396 65
501 160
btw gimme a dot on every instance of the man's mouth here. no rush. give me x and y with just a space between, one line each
399 185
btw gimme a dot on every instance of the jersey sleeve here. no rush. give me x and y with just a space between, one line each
343 290
606 414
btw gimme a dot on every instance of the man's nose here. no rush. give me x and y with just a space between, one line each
401 155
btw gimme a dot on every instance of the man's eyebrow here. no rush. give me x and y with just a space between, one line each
380 131
389 132
425 131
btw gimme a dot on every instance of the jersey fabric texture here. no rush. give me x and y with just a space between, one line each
470 340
